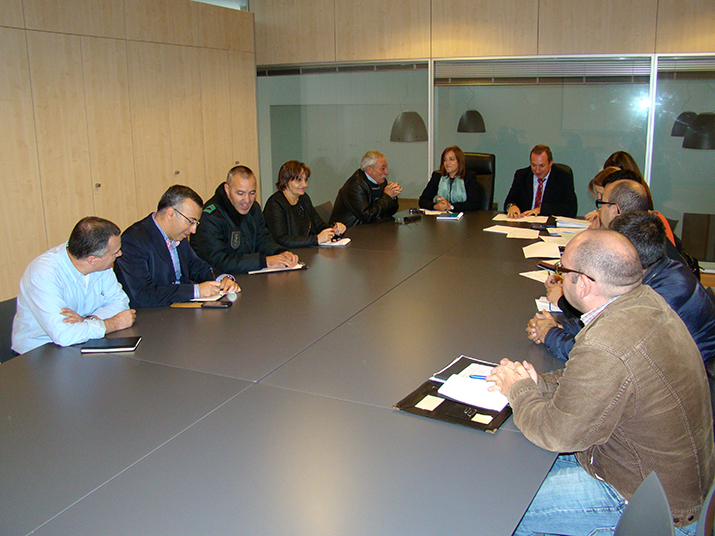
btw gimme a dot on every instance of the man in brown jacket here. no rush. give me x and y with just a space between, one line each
633 398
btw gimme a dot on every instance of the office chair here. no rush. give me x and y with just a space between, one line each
7 313
648 511
324 210
484 166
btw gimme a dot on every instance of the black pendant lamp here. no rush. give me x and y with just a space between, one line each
471 121
408 127
701 133
680 127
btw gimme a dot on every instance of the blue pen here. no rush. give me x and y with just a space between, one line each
477 377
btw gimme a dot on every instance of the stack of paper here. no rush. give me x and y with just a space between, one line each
473 393
544 250
563 221
525 219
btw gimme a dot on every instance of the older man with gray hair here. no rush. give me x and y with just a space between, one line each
624 406
367 196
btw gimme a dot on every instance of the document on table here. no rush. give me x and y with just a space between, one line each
504 229
299 266
525 219
335 244
521 232
558 240
563 221
428 212
473 393
543 250
537 275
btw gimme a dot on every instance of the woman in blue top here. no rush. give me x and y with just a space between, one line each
451 187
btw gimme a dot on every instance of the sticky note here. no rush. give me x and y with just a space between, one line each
429 403
482 419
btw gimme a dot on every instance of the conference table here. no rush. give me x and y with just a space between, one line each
275 416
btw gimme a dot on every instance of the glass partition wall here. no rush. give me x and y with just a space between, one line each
328 118
584 108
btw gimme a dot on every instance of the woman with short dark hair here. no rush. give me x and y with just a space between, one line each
290 215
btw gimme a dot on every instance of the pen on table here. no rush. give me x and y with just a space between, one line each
477 377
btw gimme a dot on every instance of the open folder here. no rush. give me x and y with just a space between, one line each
447 396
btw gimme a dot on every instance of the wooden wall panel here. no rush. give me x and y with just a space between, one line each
103 18
161 21
686 26
294 31
61 126
106 88
22 222
244 120
150 124
182 86
224 28
379 30
11 14
216 114
604 27
468 28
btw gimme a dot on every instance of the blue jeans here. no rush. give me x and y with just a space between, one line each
571 502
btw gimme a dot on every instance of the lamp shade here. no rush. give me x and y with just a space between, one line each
408 127
701 133
471 121
682 122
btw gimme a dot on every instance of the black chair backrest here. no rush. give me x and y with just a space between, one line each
7 313
484 166
324 211
648 511
707 515
565 168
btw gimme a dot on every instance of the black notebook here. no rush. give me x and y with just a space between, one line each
117 344
427 401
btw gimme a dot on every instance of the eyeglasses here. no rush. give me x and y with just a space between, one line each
191 221
601 202
561 270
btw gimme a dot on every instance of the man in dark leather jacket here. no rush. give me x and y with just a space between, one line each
367 196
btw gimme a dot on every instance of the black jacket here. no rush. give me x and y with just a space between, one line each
293 226
231 242
146 272
559 198
354 204
470 185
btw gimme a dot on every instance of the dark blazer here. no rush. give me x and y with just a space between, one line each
293 226
354 203
146 272
559 197
470 185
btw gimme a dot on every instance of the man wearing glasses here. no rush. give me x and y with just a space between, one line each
633 398
158 266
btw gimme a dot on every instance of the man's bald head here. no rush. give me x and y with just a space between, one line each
623 196
608 258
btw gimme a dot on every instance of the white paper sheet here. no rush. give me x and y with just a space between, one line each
473 393
543 250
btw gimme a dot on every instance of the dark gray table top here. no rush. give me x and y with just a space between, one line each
274 461
172 440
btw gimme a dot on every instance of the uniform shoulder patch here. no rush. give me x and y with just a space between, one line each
210 209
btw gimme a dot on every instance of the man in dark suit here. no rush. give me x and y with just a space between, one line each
541 189
367 196
158 266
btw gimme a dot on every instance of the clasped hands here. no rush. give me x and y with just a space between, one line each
508 372
393 189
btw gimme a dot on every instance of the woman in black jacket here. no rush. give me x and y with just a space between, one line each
290 215
451 187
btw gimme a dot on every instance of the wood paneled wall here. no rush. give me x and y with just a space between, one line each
106 103
301 32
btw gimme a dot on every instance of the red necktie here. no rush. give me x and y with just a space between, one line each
539 193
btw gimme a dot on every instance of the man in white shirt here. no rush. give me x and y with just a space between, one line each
69 294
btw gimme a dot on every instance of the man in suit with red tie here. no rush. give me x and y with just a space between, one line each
541 189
